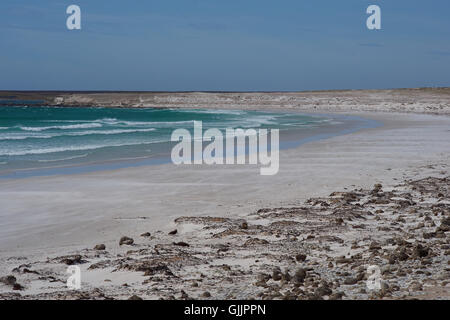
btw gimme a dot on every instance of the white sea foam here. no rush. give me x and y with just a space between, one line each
67 148
66 127
112 122
14 136
211 111
153 123
108 132
22 137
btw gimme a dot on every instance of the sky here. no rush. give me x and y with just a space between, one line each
223 45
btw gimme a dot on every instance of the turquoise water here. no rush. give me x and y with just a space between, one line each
41 137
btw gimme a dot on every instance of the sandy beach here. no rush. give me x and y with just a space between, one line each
257 236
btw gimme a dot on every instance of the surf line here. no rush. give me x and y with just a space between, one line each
234 152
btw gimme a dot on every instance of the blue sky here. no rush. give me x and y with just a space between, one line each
232 45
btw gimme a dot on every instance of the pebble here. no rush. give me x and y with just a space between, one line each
300 257
126 240
100 247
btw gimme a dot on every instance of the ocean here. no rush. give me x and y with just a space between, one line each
41 137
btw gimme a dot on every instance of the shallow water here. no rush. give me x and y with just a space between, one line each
52 139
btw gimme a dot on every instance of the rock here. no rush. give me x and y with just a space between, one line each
146 234
392 259
261 283
350 281
445 221
286 276
184 295
342 260
300 257
76 259
173 232
323 290
206 294
444 227
244 225
337 296
360 276
374 246
402 256
401 273
276 274
429 235
263 277
377 188
126 240
181 244
17 287
255 241
8 280
415 287
299 276
421 251
135 297
100 247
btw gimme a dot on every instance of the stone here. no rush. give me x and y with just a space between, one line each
8 280
276 274
173 232
126 240
323 290
76 259
337 296
350 281
300 257
374 246
421 251
286 276
100 247
299 276
181 244
17 286
415 287
445 221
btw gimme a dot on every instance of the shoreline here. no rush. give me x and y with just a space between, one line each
149 200
290 138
